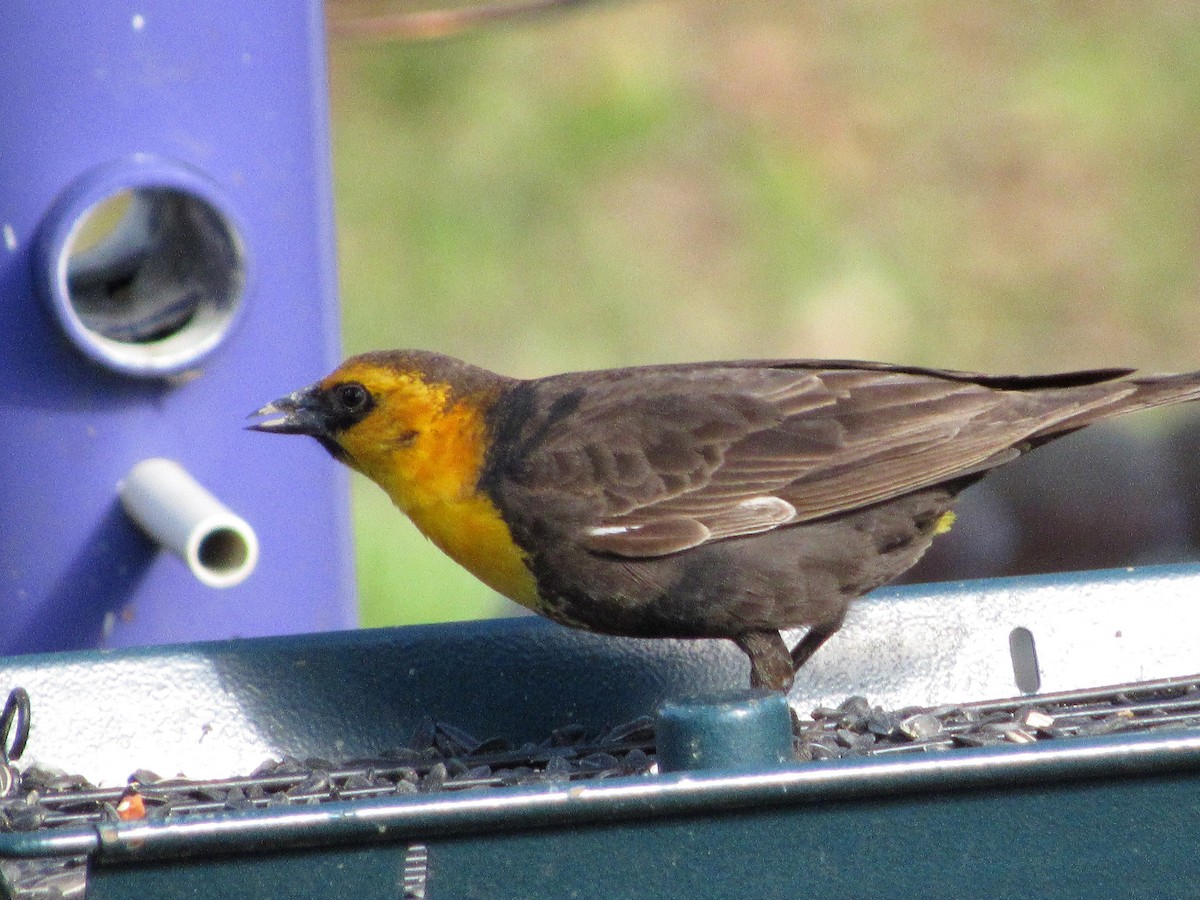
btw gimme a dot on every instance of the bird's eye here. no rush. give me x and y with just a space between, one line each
352 396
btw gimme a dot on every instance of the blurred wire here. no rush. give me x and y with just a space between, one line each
442 23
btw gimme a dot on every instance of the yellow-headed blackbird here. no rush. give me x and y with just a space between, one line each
711 500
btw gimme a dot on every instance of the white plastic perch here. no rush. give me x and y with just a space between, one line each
220 548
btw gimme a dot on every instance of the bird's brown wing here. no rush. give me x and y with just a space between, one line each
650 462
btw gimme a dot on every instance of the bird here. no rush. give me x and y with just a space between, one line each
725 500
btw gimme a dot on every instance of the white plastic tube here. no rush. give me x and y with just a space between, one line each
219 547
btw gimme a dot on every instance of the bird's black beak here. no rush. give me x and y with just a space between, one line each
300 412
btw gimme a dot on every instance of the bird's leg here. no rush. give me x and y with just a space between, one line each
770 665
811 642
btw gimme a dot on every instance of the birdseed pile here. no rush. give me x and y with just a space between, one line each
442 757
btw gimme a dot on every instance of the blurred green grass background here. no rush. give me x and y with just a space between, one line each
1007 187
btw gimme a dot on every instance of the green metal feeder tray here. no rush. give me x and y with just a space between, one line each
1060 816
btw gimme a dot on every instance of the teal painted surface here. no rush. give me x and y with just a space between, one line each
1135 840
749 729
1091 839
342 872
1060 819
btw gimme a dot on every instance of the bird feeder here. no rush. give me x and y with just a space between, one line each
166 254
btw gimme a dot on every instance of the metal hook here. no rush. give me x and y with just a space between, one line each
14 725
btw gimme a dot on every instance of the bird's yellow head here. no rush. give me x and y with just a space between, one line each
411 421
416 424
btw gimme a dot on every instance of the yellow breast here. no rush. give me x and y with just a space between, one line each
472 533
434 479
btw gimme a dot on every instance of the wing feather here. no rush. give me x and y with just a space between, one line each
653 461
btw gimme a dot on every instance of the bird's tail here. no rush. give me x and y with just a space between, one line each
1113 397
